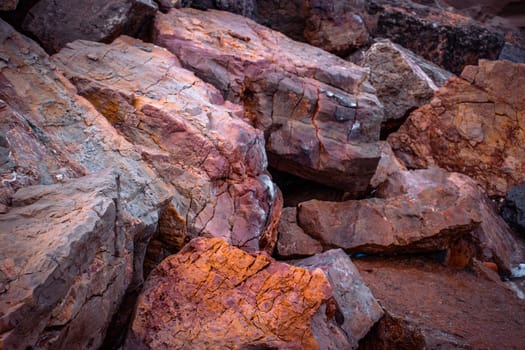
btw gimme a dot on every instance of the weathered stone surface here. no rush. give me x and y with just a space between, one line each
513 210
388 164
475 125
434 307
193 139
65 263
214 295
55 23
356 309
320 115
447 39
292 242
8 5
403 81
432 213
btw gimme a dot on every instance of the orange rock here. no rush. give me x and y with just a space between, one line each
490 265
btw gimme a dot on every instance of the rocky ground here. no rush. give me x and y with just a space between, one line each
262 174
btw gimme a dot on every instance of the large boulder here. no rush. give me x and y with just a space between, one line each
214 295
320 116
65 263
55 23
475 125
192 138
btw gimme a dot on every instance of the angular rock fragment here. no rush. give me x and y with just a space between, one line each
475 126
320 116
292 242
211 294
57 22
192 138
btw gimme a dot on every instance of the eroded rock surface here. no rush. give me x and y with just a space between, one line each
292 241
320 115
192 138
475 125
214 295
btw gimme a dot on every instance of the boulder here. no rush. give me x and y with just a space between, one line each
8 5
65 263
211 294
429 306
320 116
192 138
356 309
56 23
513 210
292 242
475 125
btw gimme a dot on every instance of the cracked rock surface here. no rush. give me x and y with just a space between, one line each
320 116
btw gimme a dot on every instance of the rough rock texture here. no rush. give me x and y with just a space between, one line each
433 307
356 309
8 5
475 125
320 115
65 263
447 39
292 242
245 8
388 164
432 213
403 81
513 210
55 23
214 295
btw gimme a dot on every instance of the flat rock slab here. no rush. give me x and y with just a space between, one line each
320 116
192 138
434 307
475 125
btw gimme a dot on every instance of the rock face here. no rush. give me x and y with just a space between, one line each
449 40
65 264
513 210
433 307
292 241
475 126
55 23
403 81
194 141
356 309
8 5
320 115
212 294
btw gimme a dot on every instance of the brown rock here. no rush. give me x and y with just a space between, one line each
320 116
214 295
434 307
475 126
190 136
292 241
388 165
55 23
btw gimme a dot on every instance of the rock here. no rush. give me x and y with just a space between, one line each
56 23
433 307
433 212
388 165
513 210
286 16
65 263
193 139
447 39
213 294
356 309
403 81
320 115
475 125
292 241
8 5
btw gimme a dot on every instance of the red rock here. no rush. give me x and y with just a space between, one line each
214 295
190 136
475 125
292 241
320 116
388 165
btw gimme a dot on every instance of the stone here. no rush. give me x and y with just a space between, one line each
211 294
245 8
320 116
356 308
429 306
388 165
450 40
193 139
474 125
513 210
65 263
433 212
292 242
56 23
8 5
403 81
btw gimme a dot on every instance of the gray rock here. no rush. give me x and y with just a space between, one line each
513 210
